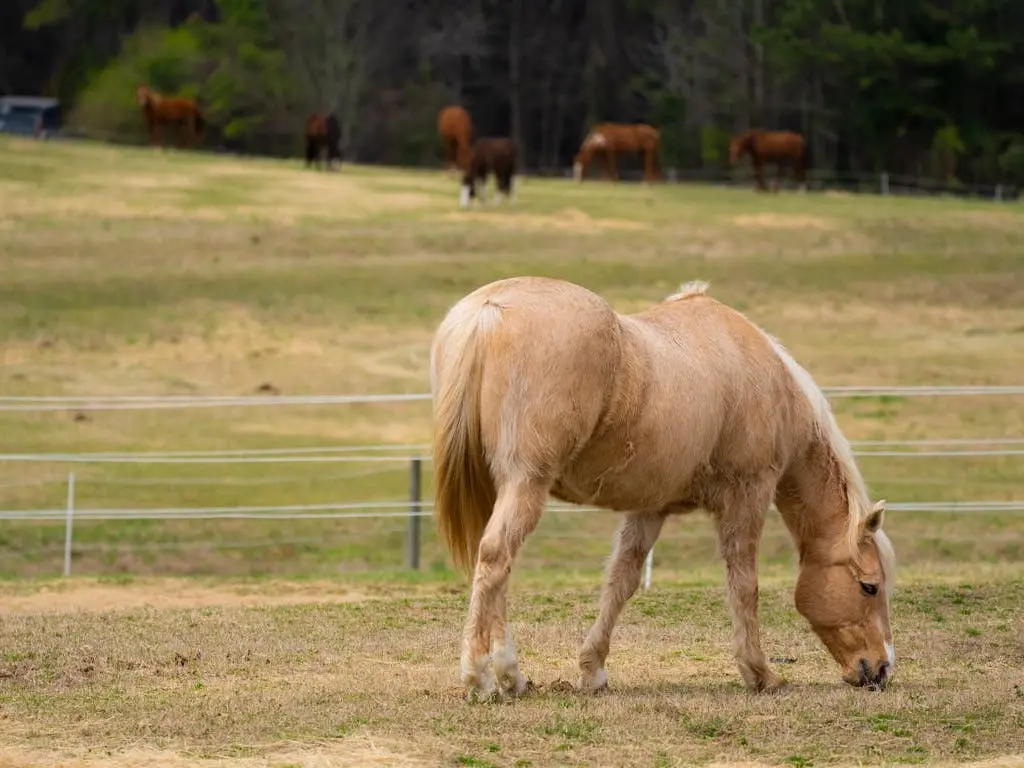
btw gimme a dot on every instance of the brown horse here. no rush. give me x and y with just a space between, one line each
323 133
540 387
455 127
499 156
779 147
158 111
612 139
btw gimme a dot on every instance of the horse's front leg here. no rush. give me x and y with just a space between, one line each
739 533
633 540
759 176
516 513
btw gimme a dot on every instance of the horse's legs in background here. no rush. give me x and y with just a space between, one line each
633 540
516 513
610 164
740 524
758 175
778 175
800 172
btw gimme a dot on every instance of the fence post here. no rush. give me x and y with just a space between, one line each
648 567
885 182
999 192
69 519
412 550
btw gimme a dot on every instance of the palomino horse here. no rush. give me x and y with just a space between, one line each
611 139
779 147
159 111
323 133
540 387
455 127
499 156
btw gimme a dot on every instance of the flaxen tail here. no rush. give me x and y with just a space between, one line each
464 492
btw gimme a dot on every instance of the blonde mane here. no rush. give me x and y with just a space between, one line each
857 499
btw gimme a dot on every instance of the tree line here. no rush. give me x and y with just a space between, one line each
929 88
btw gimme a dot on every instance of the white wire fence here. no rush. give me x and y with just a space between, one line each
363 462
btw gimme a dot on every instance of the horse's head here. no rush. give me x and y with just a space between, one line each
579 163
845 598
738 145
144 95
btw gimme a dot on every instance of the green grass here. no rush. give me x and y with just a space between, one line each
132 272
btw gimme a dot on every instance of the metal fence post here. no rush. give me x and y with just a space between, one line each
999 192
412 550
69 519
648 567
885 183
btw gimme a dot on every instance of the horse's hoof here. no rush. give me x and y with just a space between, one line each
595 683
777 687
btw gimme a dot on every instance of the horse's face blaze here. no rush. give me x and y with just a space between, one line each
847 606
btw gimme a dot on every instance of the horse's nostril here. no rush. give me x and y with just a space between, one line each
865 672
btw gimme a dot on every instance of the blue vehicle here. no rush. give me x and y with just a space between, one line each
29 115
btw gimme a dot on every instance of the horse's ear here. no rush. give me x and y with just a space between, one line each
874 519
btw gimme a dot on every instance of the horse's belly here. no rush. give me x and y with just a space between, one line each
630 482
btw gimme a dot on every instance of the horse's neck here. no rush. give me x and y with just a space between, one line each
812 498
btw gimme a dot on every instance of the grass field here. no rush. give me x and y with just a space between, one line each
290 642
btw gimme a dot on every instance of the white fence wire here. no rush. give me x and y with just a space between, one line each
145 402
380 456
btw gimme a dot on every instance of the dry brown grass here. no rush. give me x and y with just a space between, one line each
264 677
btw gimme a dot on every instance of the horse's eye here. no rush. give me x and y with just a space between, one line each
869 589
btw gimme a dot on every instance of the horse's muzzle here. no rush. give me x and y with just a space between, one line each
862 676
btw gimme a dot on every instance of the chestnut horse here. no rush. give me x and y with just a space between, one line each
779 147
499 156
611 139
455 127
539 387
158 111
323 133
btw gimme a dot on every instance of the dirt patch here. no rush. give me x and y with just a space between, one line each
350 752
90 596
566 220
781 221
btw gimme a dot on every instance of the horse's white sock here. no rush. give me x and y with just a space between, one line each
464 196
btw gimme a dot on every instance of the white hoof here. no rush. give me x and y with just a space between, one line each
598 681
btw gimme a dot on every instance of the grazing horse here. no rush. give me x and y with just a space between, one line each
499 156
611 139
539 387
455 127
779 147
158 111
323 133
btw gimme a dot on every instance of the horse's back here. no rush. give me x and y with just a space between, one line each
702 399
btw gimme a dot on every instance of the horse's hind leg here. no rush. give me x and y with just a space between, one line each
740 524
516 513
633 540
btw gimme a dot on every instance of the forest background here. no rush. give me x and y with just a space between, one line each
927 88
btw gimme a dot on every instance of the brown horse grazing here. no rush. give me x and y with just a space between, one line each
779 147
158 111
611 139
455 127
540 387
499 156
323 133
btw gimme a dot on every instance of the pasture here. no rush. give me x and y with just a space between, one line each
304 641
